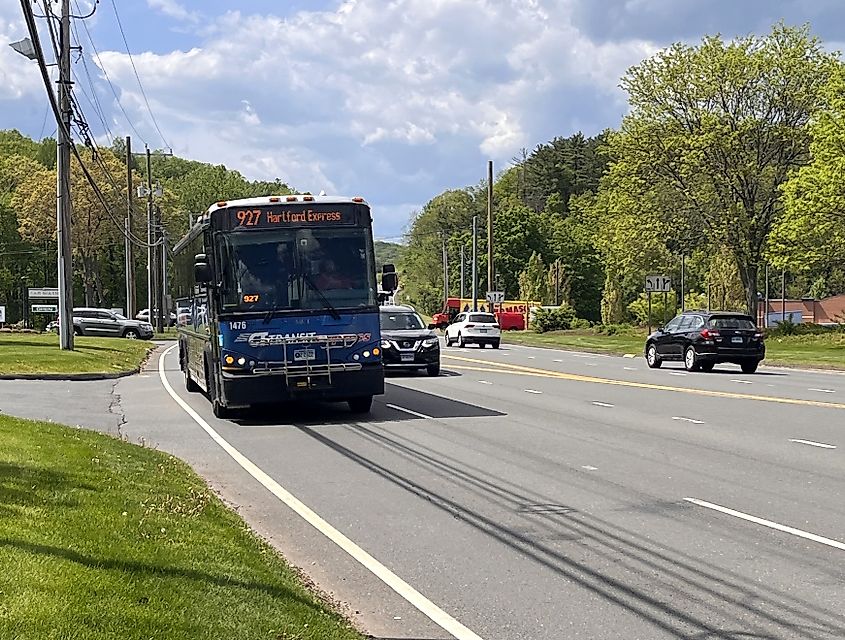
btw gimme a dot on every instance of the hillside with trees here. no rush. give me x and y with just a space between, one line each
730 156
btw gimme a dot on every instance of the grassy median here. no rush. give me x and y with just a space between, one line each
104 540
825 351
33 353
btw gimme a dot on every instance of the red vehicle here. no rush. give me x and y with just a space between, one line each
512 315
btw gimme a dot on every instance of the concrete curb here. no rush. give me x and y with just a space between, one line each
70 376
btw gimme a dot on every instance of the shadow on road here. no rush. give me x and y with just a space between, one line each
685 596
397 404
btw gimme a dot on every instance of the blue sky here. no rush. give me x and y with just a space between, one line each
395 101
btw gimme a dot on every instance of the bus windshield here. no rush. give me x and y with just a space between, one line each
294 270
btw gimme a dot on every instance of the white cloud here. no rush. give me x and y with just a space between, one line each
19 77
173 9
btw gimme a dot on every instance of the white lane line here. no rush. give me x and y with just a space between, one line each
589 468
603 404
768 523
414 597
484 382
531 358
630 368
558 360
408 411
532 391
742 381
683 419
676 373
823 390
591 364
821 445
771 385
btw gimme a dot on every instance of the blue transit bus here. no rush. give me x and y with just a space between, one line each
277 300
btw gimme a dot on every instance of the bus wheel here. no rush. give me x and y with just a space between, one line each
361 404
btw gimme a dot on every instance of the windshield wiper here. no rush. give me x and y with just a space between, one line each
326 304
271 313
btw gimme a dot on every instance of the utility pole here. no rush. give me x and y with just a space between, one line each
150 237
490 269
557 282
63 218
160 264
445 275
783 295
463 262
766 302
683 283
130 257
475 263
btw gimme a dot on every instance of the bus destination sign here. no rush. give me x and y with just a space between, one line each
289 216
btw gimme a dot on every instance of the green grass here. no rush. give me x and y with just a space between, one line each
629 342
104 540
825 351
40 353
169 333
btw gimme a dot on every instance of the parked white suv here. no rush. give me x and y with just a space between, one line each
474 327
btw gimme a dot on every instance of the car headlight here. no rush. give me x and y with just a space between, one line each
430 342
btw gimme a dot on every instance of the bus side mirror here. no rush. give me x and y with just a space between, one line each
202 270
389 278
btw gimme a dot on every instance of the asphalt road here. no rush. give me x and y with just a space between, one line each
531 493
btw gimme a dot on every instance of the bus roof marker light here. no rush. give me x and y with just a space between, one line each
275 199
222 203
357 199
308 198
291 198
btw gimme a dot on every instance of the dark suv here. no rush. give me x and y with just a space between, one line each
702 339
406 342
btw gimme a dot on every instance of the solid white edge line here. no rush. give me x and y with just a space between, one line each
683 419
822 390
408 411
603 404
813 444
406 591
768 523
532 391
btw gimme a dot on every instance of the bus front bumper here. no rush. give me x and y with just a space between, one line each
251 390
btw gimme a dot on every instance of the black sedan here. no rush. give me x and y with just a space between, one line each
702 340
406 342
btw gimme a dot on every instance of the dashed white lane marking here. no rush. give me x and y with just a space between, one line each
630 368
531 358
821 445
603 404
408 411
823 390
683 419
768 523
532 391
558 360
589 468
676 373
742 381
414 597
484 382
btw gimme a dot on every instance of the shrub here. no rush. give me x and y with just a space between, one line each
560 318
581 323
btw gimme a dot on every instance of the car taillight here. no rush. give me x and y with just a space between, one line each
708 334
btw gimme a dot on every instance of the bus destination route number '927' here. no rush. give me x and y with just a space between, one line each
261 218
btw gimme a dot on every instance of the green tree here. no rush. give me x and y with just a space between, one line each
533 281
721 126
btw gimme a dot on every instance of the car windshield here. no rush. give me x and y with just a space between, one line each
731 323
400 321
295 270
488 318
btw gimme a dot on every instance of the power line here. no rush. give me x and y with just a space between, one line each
94 100
108 80
137 77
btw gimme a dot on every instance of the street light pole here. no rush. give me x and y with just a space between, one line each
63 218
150 248
475 263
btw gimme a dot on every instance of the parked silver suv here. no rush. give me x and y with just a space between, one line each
102 322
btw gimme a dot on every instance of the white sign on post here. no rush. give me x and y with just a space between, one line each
495 297
44 292
45 308
658 284
2 314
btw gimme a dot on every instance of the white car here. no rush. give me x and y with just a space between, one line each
474 327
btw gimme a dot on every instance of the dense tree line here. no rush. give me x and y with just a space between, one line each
731 155
28 218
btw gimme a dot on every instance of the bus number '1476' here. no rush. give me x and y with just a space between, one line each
237 324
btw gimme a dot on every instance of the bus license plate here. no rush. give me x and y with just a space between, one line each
407 357
304 354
